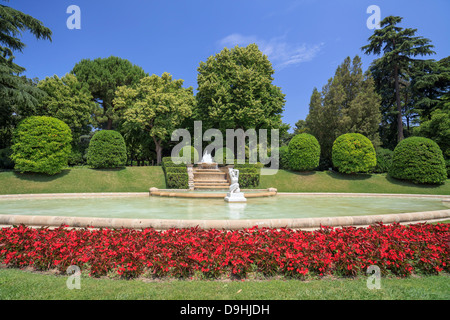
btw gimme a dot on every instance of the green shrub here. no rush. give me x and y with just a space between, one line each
176 170
5 159
177 180
107 149
384 160
189 154
352 153
283 155
249 174
224 156
419 160
303 152
76 158
41 144
447 164
169 162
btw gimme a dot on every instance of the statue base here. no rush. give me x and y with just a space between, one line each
235 197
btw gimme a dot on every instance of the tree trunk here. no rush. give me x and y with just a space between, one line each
109 126
158 150
399 107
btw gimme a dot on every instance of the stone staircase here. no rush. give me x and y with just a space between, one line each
211 178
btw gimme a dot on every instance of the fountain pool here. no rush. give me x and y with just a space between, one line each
278 207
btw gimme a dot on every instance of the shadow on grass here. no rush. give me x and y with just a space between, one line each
40 177
344 176
108 169
405 183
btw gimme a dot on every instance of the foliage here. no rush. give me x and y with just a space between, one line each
41 144
157 105
5 159
384 160
103 76
68 100
402 250
437 128
177 180
224 156
399 47
353 153
107 150
419 160
348 103
189 154
249 177
303 152
235 90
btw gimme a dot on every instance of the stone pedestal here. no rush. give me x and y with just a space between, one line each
235 197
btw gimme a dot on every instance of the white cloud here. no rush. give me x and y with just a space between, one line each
279 51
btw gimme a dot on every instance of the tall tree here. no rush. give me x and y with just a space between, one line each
157 105
348 103
16 91
236 91
398 47
68 100
104 76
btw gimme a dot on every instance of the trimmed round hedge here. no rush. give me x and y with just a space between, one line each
184 154
107 149
418 160
353 153
303 152
41 144
224 155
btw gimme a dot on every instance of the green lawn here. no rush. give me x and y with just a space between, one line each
140 179
23 285
326 181
82 179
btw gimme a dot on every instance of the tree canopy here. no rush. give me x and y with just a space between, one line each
235 90
103 76
157 105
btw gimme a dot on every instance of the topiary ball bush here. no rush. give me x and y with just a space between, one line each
353 153
418 160
224 156
107 150
188 154
303 152
41 145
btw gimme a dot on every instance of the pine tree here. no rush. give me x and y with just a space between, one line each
399 47
15 90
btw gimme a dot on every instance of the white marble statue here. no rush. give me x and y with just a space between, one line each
234 194
234 177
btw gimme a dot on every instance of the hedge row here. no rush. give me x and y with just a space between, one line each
175 173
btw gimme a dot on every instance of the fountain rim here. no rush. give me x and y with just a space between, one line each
164 224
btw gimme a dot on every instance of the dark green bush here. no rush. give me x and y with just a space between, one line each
41 144
303 152
418 160
76 158
283 155
249 174
447 164
352 153
186 151
5 159
107 149
177 180
384 160
169 162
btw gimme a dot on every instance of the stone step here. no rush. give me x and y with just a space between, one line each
211 183
212 187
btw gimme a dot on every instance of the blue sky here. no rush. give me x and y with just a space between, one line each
304 39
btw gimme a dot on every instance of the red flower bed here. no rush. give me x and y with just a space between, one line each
396 249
